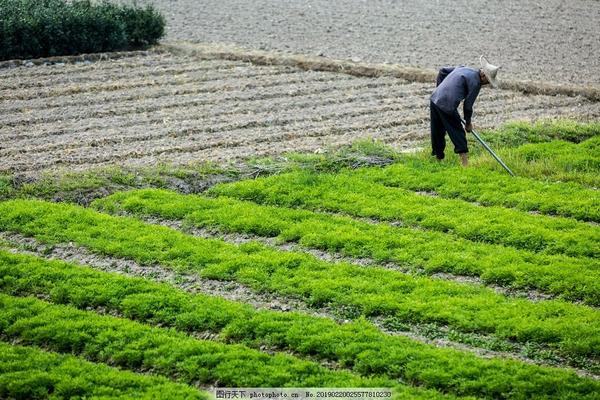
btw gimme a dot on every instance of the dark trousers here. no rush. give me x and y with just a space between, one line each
442 122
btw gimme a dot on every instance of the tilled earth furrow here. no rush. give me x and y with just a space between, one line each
344 93
40 131
114 74
255 113
192 143
159 60
194 148
185 92
188 110
140 112
169 116
227 151
131 61
157 134
162 80
259 83
592 111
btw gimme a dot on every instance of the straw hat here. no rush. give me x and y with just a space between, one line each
489 71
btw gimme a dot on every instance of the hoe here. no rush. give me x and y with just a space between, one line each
484 144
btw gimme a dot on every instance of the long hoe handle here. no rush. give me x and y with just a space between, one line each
484 144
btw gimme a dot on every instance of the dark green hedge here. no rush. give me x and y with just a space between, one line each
43 28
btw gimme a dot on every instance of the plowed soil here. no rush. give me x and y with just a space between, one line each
551 40
160 107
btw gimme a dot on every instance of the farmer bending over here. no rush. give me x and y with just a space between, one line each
453 86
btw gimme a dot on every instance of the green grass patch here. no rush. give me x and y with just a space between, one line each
42 28
490 187
84 187
351 194
571 329
356 345
517 133
557 165
134 346
556 161
31 373
432 251
6 187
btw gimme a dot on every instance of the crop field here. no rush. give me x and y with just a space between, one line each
351 278
181 109
366 268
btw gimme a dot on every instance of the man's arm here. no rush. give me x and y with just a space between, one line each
469 102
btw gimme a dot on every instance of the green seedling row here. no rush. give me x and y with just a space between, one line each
582 157
135 346
559 275
573 329
489 188
575 162
357 345
31 373
353 195
558 161
517 133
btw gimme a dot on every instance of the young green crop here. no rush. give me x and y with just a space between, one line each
572 159
569 156
352 195
368 291
30 373
6 188
356 345
488 188
82 187
517 133
556 161
433 251
135 346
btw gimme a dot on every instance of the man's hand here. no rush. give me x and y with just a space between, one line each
469 127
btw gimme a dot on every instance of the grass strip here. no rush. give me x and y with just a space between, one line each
31 373
517 133
558 161
347 193
432 251
356 345
82 187
582 157
359 291
489 187
134 346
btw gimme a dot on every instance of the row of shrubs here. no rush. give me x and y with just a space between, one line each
45 28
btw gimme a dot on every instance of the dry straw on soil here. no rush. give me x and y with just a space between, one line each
187 103
313 63
230 52
79 58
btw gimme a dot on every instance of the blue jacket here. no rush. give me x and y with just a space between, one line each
461 83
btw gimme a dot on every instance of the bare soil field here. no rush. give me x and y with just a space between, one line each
541 40
180 109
